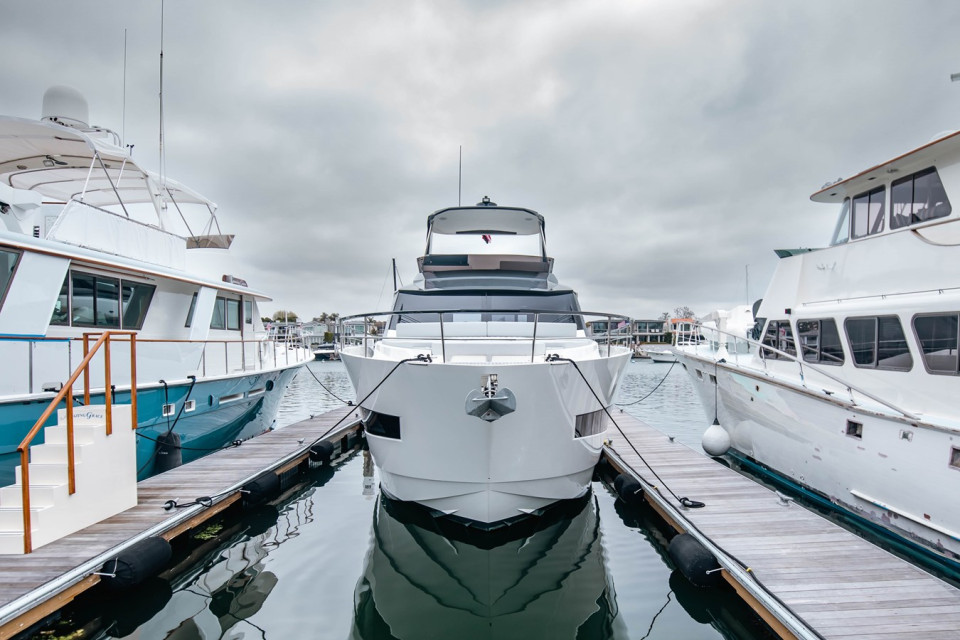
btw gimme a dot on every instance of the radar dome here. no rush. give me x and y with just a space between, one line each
65 105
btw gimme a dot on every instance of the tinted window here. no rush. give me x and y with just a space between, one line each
488 307
8 264
917 198
81 302
107 302
937 336
193 306
779 335
248 312
820 341
219 319
61 310
867 213
136 301
233 315
878 343
841 233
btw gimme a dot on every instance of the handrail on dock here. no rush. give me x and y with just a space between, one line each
66 393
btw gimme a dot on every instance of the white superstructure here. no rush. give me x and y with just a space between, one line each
855 395
486 398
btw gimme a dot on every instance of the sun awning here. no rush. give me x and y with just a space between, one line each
55 161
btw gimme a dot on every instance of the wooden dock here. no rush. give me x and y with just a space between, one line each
37 584
806 576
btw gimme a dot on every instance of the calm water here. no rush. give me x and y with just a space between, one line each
334 560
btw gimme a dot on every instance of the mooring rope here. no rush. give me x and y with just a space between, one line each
684 501
207 501
325 388
629 404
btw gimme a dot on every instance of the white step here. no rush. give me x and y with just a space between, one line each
49 453
50 473
11 519
82 434
41 495
11 542
106 479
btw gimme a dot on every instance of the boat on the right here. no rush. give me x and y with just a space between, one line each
847 388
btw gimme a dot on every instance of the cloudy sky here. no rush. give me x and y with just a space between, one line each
668 144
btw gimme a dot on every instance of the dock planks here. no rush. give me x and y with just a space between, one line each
24 575
838 584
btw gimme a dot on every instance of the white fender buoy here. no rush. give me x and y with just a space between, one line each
716 440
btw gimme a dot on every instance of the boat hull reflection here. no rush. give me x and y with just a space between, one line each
551 582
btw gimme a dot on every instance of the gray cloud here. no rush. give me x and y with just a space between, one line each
669 145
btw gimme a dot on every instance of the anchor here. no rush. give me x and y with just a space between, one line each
490 402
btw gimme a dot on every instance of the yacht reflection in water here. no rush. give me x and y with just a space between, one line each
550 582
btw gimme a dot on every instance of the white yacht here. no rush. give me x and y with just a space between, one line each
483 398
849 392
91 242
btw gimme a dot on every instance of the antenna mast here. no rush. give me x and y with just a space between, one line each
123 118
394 274
161 95
459 178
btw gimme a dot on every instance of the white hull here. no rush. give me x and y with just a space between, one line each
664 355
484 471
894 475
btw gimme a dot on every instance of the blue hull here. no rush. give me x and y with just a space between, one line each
210 426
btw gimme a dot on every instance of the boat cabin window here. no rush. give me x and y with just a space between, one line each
820 341
488 306
485 243
918 198
841 233
248 311
867 218
937 335
193 306
135 299
778 335
219 319
226 314
90 300
8 264
878 343
233 315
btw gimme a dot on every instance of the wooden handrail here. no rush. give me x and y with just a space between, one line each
66 393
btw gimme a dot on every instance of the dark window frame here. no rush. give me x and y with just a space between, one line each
818 352
877 350
788 341
192 309
912 218
13 271
877 226
920 342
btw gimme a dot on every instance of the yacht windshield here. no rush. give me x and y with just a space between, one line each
485 244
488 306
841 233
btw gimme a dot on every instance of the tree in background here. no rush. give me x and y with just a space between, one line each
284 316
679 312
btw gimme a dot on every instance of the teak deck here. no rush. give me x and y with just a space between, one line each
22 576
835 583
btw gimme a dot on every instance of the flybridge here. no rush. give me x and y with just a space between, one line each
485 237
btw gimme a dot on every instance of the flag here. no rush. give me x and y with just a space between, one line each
486 238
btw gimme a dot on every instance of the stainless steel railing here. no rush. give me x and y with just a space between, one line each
756 350
607 338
